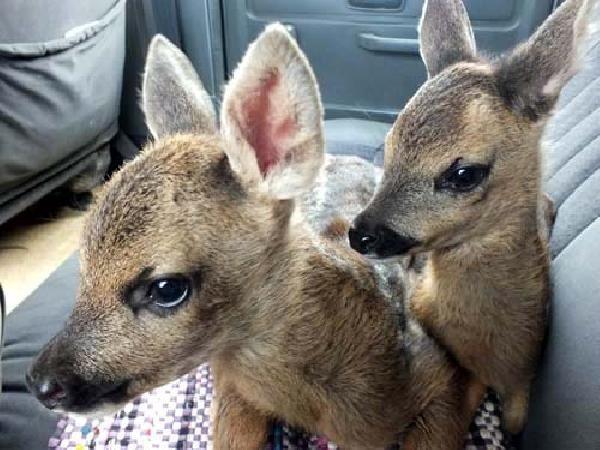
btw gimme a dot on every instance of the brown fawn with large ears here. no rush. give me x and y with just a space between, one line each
462 183
194 254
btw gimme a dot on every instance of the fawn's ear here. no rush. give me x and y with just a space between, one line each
531 77
173 97
272 119
446 36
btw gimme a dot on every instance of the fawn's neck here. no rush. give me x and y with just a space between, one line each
498 266
320 322
309 295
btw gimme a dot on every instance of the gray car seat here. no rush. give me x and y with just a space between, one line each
61 66
565 406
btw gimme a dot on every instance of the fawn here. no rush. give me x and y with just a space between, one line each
193 253
461 184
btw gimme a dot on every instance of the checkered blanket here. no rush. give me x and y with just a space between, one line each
177 416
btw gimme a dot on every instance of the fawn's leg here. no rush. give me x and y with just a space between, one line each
444 424
515 406
236 424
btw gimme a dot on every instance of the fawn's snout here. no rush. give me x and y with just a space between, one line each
60 379
373 239
71 392
48 390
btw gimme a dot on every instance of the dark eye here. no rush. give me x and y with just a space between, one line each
462 178
169 292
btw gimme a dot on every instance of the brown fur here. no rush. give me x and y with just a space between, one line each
483 292
294 326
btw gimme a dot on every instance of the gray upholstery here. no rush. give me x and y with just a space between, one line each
32 26
44 100
24 423
572 142
60 87
565 407
356 137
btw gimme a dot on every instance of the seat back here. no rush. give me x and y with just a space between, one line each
565 403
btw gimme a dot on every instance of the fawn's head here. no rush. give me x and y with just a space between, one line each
462 158
175 239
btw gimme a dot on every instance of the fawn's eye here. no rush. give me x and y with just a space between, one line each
462 178
169 292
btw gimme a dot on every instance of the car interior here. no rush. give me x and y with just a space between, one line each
70 115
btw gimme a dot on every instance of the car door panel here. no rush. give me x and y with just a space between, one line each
365 52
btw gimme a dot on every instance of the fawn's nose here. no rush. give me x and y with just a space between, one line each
48 391
363 242
378 240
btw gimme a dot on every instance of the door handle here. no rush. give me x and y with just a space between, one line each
376 4
374 43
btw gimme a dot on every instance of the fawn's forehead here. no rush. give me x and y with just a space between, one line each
153 193
460 107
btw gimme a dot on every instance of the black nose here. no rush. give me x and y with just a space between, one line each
47 390
363 242
378 240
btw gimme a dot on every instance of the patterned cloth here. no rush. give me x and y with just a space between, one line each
177 416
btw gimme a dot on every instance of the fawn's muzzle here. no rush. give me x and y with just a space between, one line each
378 240
58 386
49 392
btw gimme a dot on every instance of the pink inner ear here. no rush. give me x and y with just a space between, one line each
266 134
